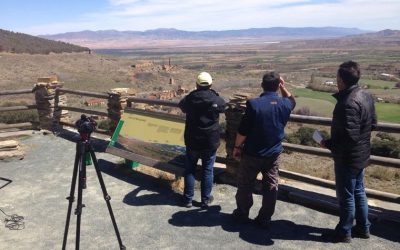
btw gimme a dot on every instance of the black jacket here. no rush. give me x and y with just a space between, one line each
353 119
202 108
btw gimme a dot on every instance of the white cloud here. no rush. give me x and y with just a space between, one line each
234 14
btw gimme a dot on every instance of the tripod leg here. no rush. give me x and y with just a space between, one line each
106 196
79 206
71 197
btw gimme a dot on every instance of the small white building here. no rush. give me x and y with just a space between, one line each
329 83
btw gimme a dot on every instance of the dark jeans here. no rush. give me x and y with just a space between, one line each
207 160
250 167
352 199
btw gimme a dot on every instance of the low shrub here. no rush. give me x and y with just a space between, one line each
303 136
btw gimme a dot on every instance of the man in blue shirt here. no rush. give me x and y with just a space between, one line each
259 144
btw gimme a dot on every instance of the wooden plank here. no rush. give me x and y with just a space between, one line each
16 92
16 125
86 111
152 102
145 161
331 184
17 108
384 161
83 93
382 126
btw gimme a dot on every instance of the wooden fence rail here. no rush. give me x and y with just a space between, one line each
83 93
17 108
325 121
16 92
385 127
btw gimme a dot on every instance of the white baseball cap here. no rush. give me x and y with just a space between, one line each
204 79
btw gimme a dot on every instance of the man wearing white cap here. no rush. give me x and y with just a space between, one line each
202 133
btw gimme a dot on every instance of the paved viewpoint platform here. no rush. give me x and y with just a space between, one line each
147 213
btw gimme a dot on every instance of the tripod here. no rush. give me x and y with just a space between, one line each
83 147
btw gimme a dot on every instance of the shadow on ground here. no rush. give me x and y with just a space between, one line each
280 229
98 145
195 217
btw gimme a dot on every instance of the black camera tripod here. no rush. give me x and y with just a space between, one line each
83 148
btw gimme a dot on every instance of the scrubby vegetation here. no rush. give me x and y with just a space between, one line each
303 136
14 42
386 145
12 117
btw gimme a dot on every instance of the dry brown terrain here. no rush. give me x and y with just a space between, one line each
234 68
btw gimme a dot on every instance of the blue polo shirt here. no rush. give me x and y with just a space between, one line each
264 122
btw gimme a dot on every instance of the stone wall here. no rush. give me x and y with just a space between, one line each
47 105
233 114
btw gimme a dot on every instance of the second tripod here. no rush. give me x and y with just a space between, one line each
83 151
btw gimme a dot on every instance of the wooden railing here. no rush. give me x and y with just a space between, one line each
378 160
25 125
384 127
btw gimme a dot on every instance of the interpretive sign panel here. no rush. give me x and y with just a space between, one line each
151 138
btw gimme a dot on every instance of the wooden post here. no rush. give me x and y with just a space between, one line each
59 114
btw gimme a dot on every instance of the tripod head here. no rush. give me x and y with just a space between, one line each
85 126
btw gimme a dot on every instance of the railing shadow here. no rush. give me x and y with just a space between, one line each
161 195
282 229
98 145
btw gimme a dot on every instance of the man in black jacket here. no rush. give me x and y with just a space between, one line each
202 131
353 119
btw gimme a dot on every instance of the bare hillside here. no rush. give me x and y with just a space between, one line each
22 43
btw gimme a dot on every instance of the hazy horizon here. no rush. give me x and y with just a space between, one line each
45 17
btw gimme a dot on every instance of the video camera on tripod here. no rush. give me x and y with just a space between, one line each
85 126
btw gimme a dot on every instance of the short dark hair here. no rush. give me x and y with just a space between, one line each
349 72
199 87
270 81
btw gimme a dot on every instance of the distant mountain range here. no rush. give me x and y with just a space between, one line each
22 43
180 34
171 37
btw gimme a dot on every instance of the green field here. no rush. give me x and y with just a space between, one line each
317 107
377 84
323 103
388 112
309 93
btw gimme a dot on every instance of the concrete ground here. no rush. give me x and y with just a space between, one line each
148 214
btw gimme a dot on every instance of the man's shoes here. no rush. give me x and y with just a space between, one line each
356 232
188 204
263 224
336 237
240 218
205 204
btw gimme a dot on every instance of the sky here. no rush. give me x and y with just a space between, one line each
40 17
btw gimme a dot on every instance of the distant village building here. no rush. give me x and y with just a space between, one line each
95 102
163 95
330 83
167 95
180 91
